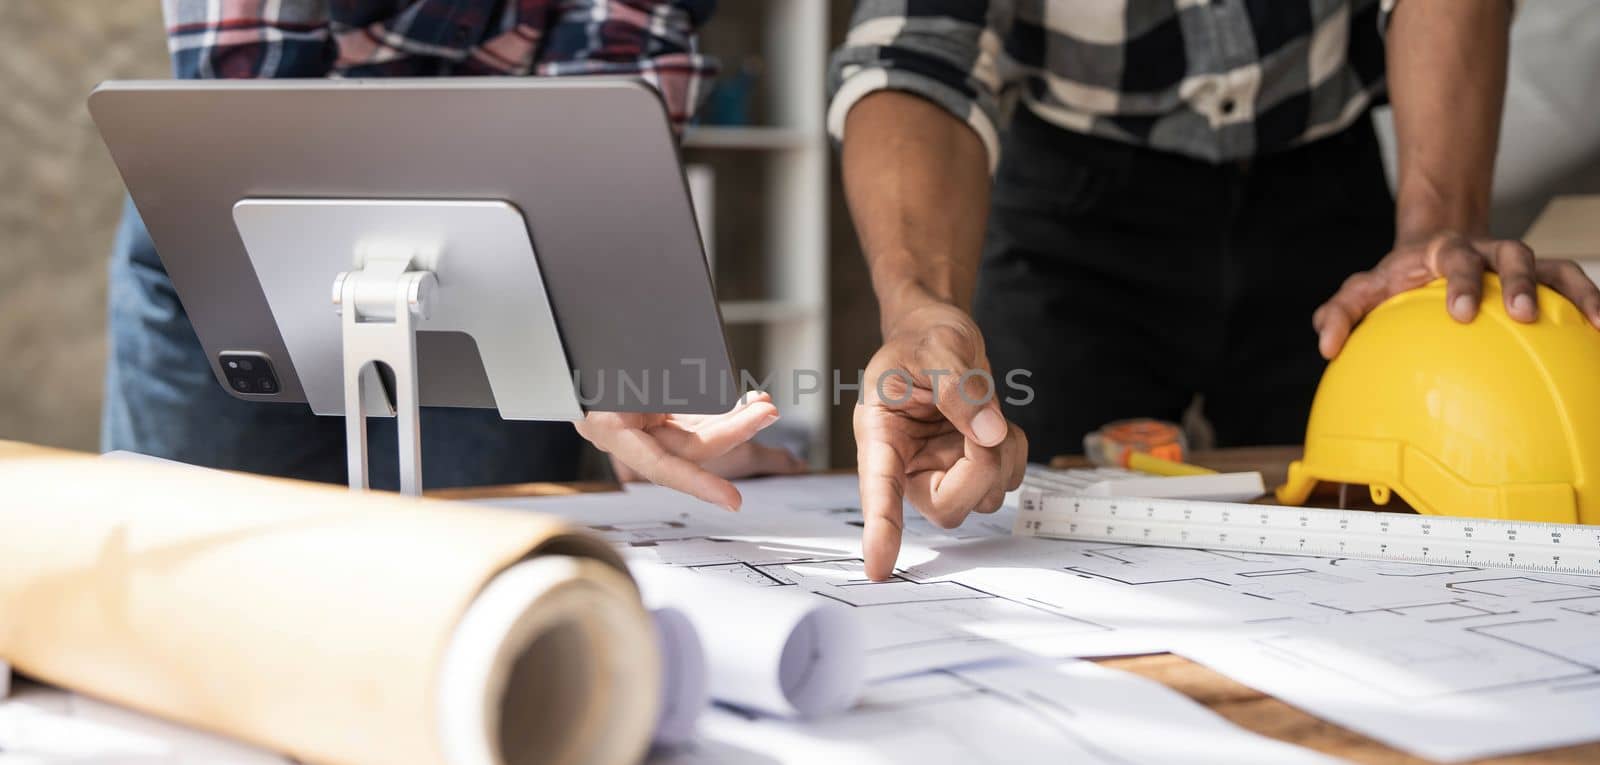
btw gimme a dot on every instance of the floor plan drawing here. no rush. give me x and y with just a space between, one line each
1024 714
1411 654
1450 662
912 625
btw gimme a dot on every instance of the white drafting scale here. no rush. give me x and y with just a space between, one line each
1553 547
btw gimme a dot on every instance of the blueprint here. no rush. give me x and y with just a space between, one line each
1014 714
813 546
1004 715
1447 662
797 657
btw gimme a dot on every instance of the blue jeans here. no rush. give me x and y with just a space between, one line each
162 399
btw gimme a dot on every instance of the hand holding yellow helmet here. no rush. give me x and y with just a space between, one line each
1489 419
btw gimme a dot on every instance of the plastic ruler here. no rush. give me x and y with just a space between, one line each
1555 547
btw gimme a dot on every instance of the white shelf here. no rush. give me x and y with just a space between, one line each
765 311
747 138
792 320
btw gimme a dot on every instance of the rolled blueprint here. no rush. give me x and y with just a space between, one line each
770 649
333 627
684 696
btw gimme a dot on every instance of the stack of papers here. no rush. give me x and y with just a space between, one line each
1447 662
1113 482
1069 712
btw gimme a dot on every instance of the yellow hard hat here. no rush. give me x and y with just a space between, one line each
1489 419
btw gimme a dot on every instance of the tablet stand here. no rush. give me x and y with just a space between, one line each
378 306
447 266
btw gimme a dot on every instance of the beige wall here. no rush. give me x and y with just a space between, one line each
59 200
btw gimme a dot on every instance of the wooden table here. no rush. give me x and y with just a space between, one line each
1241 704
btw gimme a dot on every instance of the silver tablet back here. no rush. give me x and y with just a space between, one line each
590 162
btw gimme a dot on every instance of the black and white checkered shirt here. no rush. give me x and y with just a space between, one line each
1217 80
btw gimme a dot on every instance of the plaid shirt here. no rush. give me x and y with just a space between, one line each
1217 80
651 39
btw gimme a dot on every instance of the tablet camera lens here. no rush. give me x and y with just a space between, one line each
250 373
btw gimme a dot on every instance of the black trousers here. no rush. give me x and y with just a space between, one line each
1128 280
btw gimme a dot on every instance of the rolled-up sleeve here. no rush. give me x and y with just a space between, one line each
1386 10
946 51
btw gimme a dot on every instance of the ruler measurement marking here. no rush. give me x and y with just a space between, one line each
1425 539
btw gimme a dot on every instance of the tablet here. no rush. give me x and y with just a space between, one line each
590 164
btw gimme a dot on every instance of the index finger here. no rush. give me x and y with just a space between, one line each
881 471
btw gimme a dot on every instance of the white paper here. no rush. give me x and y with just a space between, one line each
1447 662
1041 478
805 533
1115 482
1407 633
684 695
5 680
45 726
767 648
1012 715
1444 694
1015 714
